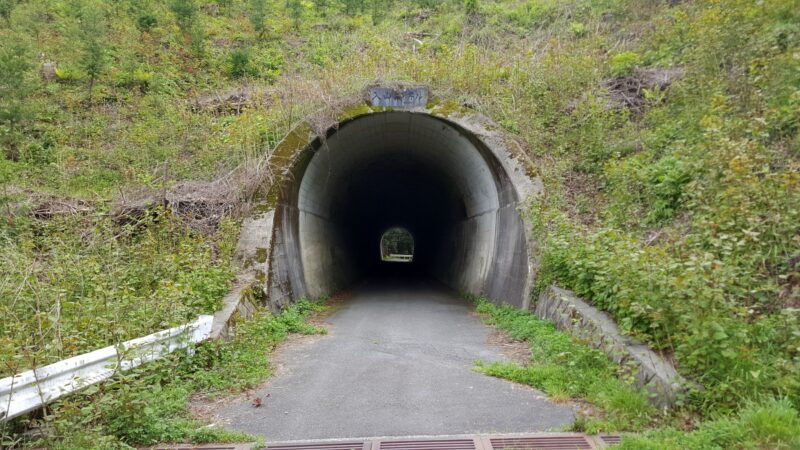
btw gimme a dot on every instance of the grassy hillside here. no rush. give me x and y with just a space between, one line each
666 133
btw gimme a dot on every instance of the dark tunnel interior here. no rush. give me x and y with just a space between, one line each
396 192
401 169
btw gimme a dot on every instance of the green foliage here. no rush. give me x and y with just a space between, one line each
15 86
533 13
79 288
259 63
6 8
578 29
186 15
353 6
678 218
92 33
379 9
622 64
146 22
768 424
257 13
712 283
239 64
15 83
564 368
67 74
683 302
295 8
471 7
149 405
138 78
397 241
185 12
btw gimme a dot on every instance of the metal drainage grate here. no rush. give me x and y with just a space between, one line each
202 447
544 441
541 443
432 444
611 440
355 445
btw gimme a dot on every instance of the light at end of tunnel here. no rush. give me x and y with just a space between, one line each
397 245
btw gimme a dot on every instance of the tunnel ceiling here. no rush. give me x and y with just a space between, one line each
451 182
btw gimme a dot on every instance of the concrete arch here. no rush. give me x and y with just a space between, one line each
397 157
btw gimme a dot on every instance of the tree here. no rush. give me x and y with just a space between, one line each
321 6
93 37
16 85
379 10
295 12
351 7
239 64
258 16
471 8
6 8
185 13
146 22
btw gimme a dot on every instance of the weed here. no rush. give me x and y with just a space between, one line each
565 369
149 405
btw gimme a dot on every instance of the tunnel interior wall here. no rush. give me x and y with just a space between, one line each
421 172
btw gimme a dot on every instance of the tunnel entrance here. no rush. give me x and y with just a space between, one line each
449 179
397 245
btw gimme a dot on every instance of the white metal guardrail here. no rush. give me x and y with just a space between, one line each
32 389
396 257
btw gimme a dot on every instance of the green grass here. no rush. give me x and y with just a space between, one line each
149 405
772 424
565 369
79 283
680 220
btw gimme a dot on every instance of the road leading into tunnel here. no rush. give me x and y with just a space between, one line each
397 361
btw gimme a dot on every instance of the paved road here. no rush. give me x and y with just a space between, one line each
397 361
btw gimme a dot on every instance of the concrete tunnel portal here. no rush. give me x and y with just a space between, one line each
456 190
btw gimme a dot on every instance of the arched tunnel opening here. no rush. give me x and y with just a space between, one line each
397 245
416 171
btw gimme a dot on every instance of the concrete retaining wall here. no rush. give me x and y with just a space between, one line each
652 372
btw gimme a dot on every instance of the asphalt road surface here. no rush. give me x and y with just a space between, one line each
398 361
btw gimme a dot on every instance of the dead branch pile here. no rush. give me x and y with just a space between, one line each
629 92
232 101
200 204
44 206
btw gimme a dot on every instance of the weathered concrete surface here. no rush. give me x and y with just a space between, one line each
252 250
582 320
443 172
397 361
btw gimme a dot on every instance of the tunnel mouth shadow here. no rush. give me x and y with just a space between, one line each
453 181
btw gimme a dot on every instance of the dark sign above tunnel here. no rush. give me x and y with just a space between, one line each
406 97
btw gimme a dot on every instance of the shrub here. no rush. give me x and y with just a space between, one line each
257 13
239 64
185 13
578 29
6 8
146 22
622 64
92 35
15 82
471 7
